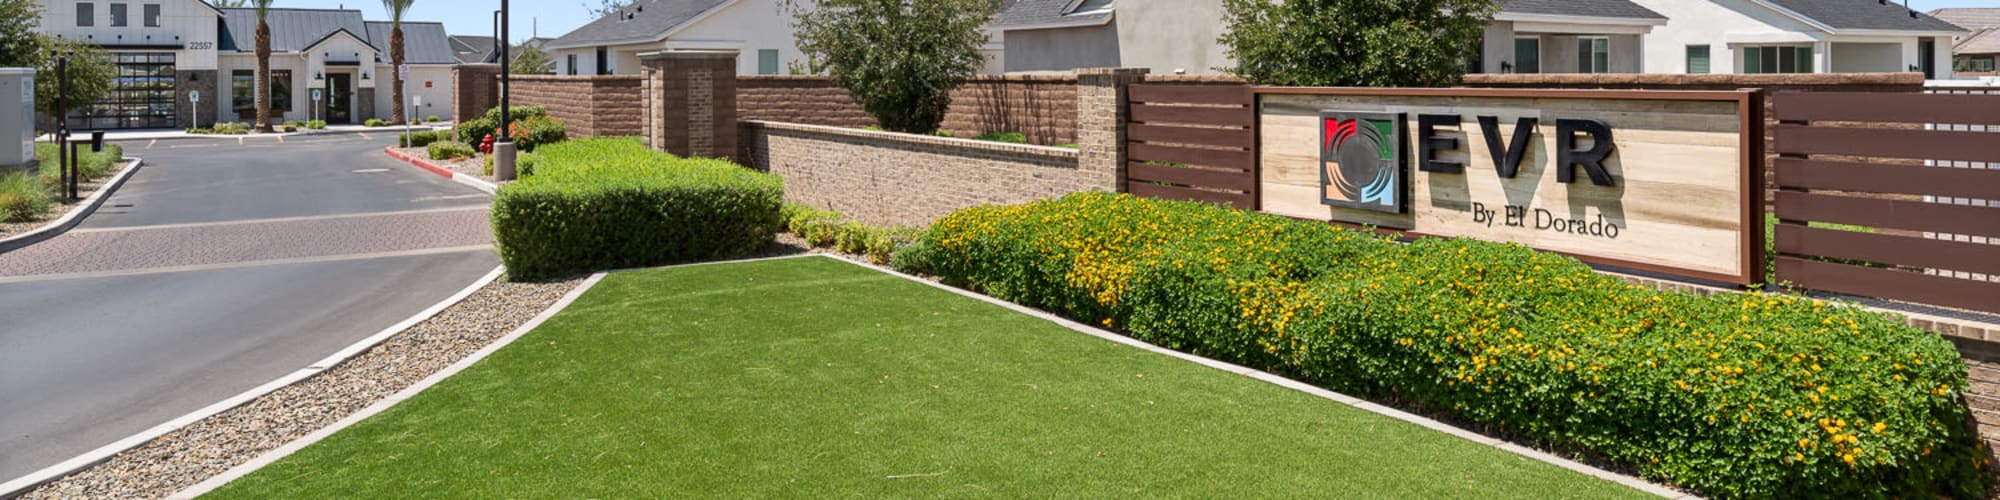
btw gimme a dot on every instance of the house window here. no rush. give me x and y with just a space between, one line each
603 61
1527 55
1593 55
117 15
1698 60
152 15
767 62
1771 60
243 90
1982 65
572 64
86 14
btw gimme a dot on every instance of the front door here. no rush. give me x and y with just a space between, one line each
340 97
1927 57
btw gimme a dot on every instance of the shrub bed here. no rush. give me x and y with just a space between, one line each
451 150
830 230
420 139
612 203
1734 395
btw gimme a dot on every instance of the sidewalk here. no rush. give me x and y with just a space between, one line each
172 134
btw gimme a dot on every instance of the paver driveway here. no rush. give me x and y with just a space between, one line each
222 265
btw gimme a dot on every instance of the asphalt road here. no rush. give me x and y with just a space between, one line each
220 266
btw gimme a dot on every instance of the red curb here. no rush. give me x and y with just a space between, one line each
419 163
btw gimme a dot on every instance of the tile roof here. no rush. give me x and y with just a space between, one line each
1864 15
1972 19
1986 41
1585 8
643 20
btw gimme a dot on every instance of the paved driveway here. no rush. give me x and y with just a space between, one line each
221 265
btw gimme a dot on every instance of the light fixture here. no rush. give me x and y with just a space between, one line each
364 76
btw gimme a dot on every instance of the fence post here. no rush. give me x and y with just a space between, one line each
1101 113
691 103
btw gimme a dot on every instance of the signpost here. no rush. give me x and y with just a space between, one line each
194 101
312 115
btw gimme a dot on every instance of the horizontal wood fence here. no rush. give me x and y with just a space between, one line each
1193 142
1890 196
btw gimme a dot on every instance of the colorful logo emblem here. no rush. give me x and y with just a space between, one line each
1361 161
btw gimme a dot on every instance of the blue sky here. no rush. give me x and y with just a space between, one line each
475 17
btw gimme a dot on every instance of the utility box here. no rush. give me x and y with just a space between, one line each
17 119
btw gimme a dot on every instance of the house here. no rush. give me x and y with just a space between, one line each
611 45
1978 51
1797 36
171 52
1525 36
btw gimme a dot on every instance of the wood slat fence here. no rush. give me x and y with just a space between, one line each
1193 142
1890 196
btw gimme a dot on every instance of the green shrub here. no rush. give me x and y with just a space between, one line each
451 150
488 170
474 131
1734 395
533 132
96 165
516 113
612 203
431 119
24 197
375 122
294 124
826 229
290 129
316 124
200 131
231 128
419 139
1007 137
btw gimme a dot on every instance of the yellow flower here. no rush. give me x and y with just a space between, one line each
1879 426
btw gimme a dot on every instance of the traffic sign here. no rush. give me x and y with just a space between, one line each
194 95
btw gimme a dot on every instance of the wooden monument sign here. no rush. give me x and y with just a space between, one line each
1653 181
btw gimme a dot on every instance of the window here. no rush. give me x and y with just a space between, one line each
141 96
152 15
243 90
1527 55
117 15
1770 60
572 64
1698 60
1982 65
86 14
603 61
1593 55
767 62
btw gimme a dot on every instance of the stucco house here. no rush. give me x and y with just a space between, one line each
167 51
760 31
1978 51
1526 36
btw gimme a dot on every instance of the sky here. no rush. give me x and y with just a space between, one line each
555 17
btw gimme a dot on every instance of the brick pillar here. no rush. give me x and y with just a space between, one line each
690 100
1101 112
475 88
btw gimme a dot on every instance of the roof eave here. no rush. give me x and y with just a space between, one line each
1558 18
1085 23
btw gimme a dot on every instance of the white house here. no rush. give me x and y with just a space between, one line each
1797 36
170 51
759 30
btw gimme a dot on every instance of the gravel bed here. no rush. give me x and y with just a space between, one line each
56 210
475 166
192 454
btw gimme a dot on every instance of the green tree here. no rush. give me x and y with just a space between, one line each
21 46
1354 43
396 10
529 59
91 72
606 7
899 58
263 65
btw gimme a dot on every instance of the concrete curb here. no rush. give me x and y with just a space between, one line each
76 215
178 136
268 458
475 182
24 484
1632 482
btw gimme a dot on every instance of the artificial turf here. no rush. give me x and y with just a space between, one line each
815 377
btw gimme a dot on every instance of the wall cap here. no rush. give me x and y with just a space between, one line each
969 145
1912 79
690 54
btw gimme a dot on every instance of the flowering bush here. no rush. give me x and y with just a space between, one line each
533 132
1734 395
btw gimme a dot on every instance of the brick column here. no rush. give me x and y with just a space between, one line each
690 100
1101 112
475 88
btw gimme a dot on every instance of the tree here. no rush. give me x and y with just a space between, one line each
1354 43
899 58
263 66
606 7
21 46
531 60
396 10
91 73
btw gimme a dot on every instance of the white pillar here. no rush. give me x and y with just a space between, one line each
1822 57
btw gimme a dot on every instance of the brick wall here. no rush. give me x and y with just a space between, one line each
475 88
590 106
1043 107
886 178
689 104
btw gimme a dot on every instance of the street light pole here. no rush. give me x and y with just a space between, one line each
62 120
503 149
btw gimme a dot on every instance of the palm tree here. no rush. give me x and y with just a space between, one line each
396 10
263 65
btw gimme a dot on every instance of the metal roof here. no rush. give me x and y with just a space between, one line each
1864 15
423 42
644 20
295 30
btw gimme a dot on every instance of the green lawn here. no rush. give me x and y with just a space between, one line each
813 377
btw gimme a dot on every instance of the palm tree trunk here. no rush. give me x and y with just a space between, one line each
263 77
396 57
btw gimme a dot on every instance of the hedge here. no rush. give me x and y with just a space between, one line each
420 138
451 150
612 203
1733 395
